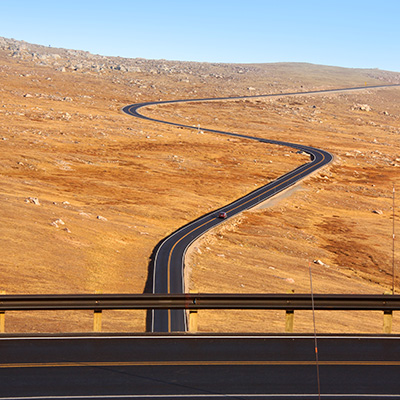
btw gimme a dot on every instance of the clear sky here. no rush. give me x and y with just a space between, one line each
348 33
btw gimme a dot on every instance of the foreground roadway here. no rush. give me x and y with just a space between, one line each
198 367
168 270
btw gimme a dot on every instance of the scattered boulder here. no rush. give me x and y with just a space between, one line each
319 262
362 107
33 200
380 212
101 218
57 222
66 116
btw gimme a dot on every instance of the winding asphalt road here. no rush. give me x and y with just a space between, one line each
168 273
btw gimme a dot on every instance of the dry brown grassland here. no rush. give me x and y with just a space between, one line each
110 187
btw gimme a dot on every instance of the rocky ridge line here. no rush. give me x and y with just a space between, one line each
86 62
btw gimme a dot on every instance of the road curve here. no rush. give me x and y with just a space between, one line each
168 273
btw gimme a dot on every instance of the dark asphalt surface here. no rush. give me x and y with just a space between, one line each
194 366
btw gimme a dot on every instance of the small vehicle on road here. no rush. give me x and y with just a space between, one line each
222 215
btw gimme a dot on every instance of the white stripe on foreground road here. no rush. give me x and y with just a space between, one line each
196 337
191 396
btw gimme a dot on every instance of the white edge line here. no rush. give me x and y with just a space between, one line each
198 337
184 396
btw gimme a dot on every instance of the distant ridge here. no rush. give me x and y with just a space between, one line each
85 62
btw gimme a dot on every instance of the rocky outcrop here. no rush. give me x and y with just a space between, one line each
83 61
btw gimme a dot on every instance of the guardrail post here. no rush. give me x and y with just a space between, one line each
97 318
289 320
2 317
387 321
193 318
387 317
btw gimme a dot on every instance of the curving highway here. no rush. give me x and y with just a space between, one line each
168 272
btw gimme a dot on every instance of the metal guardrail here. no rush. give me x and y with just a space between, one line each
198 302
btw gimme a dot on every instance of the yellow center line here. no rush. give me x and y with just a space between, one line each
173 247
294 176
194 363
240 205
169 267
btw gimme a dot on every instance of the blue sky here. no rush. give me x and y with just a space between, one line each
351 33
